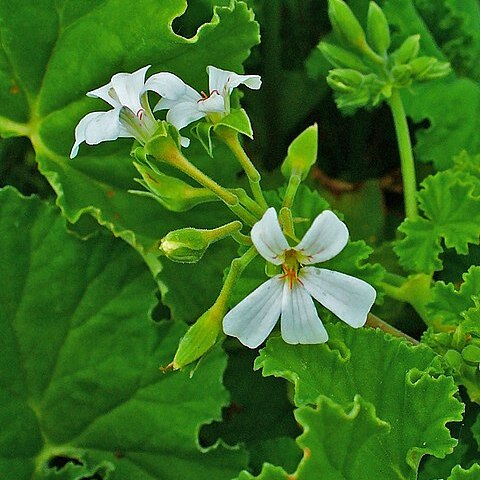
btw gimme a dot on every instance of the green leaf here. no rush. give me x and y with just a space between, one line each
269 472
45 74
337 440
458 473
449 303
383 371
440 142
452 211
80 359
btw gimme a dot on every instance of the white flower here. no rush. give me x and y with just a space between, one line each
185 105
289 294
130 117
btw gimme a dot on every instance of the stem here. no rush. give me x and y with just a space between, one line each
242 239
374 322
248 202
231 139
406 156
237 267
292 187
230 199
219 233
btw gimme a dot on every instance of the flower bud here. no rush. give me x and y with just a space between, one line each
188 245
174 194
408 50
378 31
345 80
341 58
302 153
429 68
200 338
402 75
346 26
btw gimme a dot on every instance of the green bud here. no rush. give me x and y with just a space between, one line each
429 68
378 31
188 245
345 80
346 26
408 50
341 58
174 194
402 75
471 354
302 153
454 358
199 339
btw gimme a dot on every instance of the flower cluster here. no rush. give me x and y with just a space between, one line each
132 116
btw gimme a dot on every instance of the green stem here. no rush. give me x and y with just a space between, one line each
177 160
242 239
237 267
248 202
374 322
230 137
219 233
292 187
406 156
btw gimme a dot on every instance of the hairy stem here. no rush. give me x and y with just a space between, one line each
374 322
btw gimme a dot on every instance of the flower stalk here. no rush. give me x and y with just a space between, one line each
230 137
406 155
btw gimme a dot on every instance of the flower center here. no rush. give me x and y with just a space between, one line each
291 267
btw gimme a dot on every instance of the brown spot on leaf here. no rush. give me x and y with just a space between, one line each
14 89
111 193
116 216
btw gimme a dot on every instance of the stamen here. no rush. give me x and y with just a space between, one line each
140 113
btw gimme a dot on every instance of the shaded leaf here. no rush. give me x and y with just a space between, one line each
80 359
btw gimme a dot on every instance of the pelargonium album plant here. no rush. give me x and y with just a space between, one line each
234 256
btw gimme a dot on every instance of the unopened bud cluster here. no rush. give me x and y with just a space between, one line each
365 73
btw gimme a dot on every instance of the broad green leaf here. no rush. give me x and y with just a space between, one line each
472 473
80 360
269 472
337 440
450 129
382 370
46 71
452 214
456 27
449 303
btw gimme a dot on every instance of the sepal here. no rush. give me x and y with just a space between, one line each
236 121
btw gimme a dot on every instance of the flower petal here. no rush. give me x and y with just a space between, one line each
184 113
252 320
224 81
129 87
325 239
172 89
349 298
96 127
300 321
107 94
214 103
268 238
